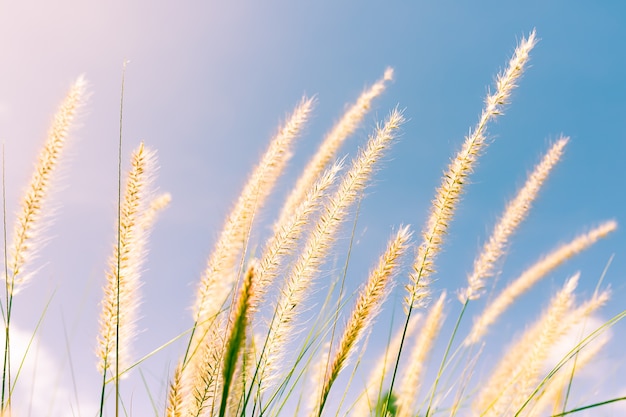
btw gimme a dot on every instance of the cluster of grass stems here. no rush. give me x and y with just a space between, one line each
252 350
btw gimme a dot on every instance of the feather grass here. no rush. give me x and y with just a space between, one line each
514 214
346 126
30 223
367 306
448 194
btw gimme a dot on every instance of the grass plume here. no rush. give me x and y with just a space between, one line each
327 152
456 176
367 306
121 299
514 214
30 219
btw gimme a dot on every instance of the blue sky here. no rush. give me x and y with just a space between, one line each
208 84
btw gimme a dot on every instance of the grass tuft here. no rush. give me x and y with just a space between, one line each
261 343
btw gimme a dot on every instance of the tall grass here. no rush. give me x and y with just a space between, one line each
259 343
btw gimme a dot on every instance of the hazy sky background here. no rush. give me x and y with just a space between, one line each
208 84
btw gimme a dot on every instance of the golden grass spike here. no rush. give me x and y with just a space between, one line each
287 234
515 212
29 220
203 382
128 255
415 367
532 275
366 308
301 275
346 126
175 394
219 276
448 194
508 385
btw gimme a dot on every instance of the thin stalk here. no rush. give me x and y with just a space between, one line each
119 244
395 367
445 357
389 338
4 236
152 353
118 266
571 378
6 368
71 363
569 382
587 407
102 391
6 374
152 403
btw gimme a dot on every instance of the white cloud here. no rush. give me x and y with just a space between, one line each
594 382
40 387
574 336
